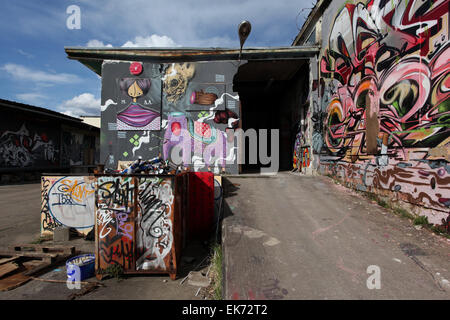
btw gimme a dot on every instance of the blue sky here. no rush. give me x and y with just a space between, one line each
34 68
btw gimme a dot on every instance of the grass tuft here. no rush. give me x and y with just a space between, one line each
421 220
113 271
216 270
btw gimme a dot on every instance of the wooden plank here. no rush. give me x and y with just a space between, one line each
42 266
7 268
6 260
13 281
32 264
50 257
44 248
38 268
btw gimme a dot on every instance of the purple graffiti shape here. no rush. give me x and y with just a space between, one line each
137 116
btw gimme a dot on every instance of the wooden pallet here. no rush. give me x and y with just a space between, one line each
21 262
43 248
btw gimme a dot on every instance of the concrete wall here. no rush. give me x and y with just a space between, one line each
27 142
380 109
34 143
91 120
167 90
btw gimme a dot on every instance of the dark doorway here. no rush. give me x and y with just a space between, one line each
272 94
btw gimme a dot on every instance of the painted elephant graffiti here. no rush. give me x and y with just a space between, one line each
203 143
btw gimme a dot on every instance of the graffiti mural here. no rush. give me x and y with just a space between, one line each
196 138
22 148
115 222
139 108
72 201
67 201
176 80
48 222
154 234
135 116
383 113
198 105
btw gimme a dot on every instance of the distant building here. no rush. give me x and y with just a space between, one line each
92 120
34 140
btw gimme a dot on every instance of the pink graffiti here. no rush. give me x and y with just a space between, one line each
405 92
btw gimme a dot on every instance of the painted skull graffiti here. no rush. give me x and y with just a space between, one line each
176 79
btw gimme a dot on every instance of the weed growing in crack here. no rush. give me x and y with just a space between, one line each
421 220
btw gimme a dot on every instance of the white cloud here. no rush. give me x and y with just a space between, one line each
81 105
151 41
31 98
195 22
26 54
20 72
97 43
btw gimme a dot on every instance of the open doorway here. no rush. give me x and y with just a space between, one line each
273 95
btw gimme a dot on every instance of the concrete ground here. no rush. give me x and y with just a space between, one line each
20 217
20 223
298 237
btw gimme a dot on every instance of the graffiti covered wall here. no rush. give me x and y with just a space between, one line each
27 144
382 113
67 201
138 222
154 234
185 108
115 222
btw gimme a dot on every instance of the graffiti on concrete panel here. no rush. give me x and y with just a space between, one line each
72 201
199 120
143 105
21 148
72 148
197 138
154 234
115 225
301 154
48 222
384 94
420 183
306 159
391 83
135 116
69 202
176 80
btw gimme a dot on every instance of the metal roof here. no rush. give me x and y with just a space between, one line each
42 111
94 57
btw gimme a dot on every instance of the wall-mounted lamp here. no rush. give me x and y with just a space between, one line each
244 30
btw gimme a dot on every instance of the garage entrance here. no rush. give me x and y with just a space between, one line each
273 95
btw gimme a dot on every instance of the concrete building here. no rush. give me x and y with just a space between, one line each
150 96
378 112
361 95
34 140
91 120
